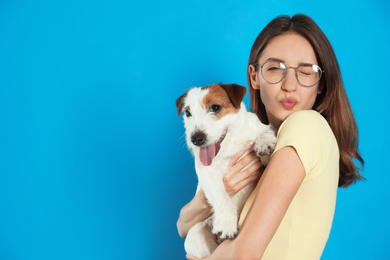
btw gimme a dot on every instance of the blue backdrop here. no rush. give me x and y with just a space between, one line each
93 164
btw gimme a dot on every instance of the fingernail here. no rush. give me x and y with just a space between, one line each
249 144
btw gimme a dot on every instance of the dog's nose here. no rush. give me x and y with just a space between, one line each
198 138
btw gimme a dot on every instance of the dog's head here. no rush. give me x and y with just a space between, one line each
208 113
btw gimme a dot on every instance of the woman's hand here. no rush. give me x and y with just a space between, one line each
190 257
224 251
236 179
197 210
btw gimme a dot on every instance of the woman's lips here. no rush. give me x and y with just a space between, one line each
289 103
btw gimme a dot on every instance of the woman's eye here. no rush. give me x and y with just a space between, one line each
274 68
305 73
216 108
188 113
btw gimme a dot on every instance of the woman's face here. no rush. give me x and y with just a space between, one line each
287 96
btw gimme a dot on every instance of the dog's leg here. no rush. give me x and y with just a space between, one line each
224 208
225 217
265 144
200 242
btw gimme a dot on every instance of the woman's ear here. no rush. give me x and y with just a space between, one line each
253 76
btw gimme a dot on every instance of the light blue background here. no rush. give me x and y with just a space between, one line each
93 164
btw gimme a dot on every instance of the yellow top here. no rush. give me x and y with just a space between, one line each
305 228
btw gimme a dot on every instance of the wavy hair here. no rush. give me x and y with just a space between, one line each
332 103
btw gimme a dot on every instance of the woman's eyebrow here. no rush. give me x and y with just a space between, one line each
299 64
306 64
274 59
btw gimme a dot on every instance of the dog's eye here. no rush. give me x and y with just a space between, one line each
188 113
216 108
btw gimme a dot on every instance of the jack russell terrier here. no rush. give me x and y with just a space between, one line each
217 126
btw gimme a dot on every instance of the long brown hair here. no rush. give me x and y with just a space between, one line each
332 103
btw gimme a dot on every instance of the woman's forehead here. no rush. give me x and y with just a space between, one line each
290 48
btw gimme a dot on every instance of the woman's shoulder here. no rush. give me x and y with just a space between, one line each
305 122
309 116
311 136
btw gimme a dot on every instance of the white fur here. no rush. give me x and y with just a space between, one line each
241 127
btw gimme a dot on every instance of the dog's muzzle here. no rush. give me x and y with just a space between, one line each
206 153
198 138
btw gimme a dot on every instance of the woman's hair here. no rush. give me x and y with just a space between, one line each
332 102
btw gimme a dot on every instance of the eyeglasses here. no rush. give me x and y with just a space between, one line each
274 72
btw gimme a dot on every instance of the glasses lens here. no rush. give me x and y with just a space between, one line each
309 75
273 71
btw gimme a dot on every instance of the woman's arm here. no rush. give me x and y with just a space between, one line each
284 175
197 210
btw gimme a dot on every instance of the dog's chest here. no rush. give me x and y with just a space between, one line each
212 173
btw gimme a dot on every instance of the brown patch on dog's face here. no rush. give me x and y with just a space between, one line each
218 102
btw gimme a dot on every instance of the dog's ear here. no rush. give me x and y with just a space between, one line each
235 92
180 103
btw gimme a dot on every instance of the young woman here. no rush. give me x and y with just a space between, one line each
295 84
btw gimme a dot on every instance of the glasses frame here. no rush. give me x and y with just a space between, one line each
285 72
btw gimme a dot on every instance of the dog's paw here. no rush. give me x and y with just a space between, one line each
225 229
265 143
226 236
267 151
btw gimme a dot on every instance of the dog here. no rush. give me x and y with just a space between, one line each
217 126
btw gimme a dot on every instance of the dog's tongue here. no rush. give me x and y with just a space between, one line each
207 154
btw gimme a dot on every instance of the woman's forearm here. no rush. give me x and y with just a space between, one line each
194 212
280 184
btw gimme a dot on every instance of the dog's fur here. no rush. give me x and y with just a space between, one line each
217 127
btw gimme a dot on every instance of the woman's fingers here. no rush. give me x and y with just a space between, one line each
235 182
239 166
236 157
245 161
237 178
252 174
236 174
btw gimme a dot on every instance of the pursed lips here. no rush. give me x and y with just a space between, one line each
289 103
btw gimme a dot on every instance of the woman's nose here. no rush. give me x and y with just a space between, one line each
290 81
